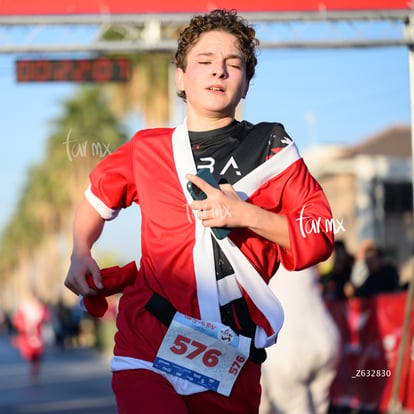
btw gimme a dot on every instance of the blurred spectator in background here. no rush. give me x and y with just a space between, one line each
299 370
372 273
333 282
5 322
360 269
28 321
65 325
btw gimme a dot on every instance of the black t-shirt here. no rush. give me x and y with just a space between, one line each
230 153
233 151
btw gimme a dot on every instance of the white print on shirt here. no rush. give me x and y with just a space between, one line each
75 149
231 163
215 212
308 225
286 140
211 162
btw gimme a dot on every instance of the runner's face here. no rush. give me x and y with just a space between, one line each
215 76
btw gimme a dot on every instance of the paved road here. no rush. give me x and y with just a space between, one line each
71 381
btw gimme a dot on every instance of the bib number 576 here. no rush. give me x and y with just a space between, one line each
192 349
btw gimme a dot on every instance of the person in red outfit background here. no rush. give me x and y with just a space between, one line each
28 321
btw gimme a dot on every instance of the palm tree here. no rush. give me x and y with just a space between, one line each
86 132
147 91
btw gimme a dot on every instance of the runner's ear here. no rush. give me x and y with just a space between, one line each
179 81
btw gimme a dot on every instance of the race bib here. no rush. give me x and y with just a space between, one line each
209 354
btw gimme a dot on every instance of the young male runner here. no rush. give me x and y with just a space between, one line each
194 322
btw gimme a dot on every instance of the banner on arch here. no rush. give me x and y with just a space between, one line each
96 7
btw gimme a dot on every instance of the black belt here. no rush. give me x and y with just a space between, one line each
164 312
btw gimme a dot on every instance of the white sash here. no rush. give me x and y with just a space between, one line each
257 289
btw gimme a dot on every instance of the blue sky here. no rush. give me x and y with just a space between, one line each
321 96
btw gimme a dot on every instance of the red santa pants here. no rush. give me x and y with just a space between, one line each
145 392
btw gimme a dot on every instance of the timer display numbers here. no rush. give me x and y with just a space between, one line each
99 70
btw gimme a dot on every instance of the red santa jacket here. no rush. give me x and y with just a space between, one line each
176 258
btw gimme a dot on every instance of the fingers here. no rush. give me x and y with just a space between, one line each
214 215
76 277
221 208
76 284
200 183
228 189
97 278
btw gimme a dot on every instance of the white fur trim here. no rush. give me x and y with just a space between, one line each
104 211
181 386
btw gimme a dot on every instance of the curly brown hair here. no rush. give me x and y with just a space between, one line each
224 20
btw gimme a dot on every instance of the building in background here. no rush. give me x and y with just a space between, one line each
370 191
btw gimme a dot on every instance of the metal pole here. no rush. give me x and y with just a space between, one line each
395 404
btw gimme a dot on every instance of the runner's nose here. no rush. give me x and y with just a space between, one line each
219 71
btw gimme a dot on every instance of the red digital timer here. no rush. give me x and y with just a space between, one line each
104 69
